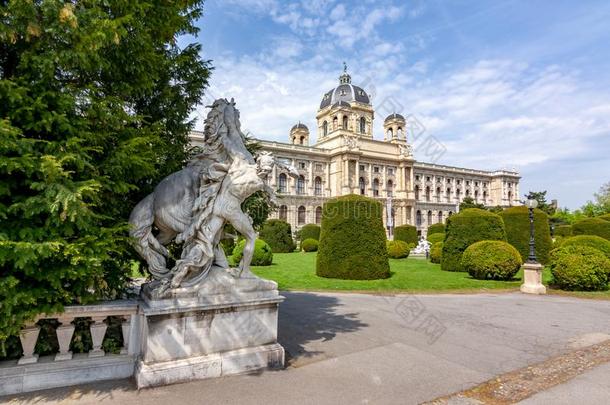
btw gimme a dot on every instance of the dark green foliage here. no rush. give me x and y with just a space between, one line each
258 207
605 217
436 237
263 255
491 260
309 245
464 229
228 245
517 225
540 196
95 101
563 230
592 226
278 234
352 240
580 268
468 202
436 228
406 233
436 252
309 231
592 241
398 249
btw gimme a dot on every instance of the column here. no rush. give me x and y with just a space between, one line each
28 337
98 331
64 332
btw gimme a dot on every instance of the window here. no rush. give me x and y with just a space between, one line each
417 192
361 168
450 213
458 182
302 165
282 183
283 212
484 196
476 184
476 195
361 185
428 178
417 177
448 181
376 169
438 194
376 188
301 185
325 128
318 215
362 125
418 217
301 215
390 133
317 185
318 167
344 122
399 132
335 123
427 193
390 188
467 182
302 140
391 171
440 217
429 217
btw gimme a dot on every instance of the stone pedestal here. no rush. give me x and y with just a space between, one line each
224 326
532 279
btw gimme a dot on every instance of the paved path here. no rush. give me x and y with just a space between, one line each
358 349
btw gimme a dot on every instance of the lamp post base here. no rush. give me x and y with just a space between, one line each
532 279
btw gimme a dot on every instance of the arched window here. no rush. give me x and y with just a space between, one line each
510 198
390 188
438 194
440 217
416 192
376 188
484 196
448 194
318 215
429 217
301 215
282 183
335 123
362 125
390 133
301 185
345 122
467 193
302 140
457 195
317 186
325 128
427 193
399 132
361 185
418 217
450 213
476 195
283 212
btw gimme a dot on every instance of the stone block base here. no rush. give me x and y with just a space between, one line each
532 279
210 366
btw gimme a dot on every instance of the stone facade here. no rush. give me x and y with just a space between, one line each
346 159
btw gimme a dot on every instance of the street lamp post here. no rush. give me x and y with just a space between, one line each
532 270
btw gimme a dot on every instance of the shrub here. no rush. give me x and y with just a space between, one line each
309 231
558 241
465 228
491 259
228 245
278 235
605 217
436 252
517 225
436 237
406 233
436 228
352 240
563 230
592 241
592 226
398 249
309 245
580 268
263 255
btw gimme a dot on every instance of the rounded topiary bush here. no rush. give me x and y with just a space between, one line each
406 233
436 237
278 235
491 260
563 230
309 231
436 228
352 240
465 228
580 268
263 254
398 249
593 241
436 252
605 217
517 225
309 245
592 226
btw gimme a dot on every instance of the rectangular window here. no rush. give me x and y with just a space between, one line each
318 167
361 168
376 169
302 165
390 171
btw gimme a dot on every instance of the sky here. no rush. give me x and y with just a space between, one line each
500 84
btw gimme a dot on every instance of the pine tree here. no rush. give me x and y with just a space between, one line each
95 98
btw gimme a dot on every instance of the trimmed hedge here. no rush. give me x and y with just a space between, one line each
278 234
592 226
580 268
398 249
436 237
605 217
465 228
406 233
491 260
436 228
352 240
592 241
309 245
517 225
563 230
263 255
309 231
436 252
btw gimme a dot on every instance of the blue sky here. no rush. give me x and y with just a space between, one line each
502 84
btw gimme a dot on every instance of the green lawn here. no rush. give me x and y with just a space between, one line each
296 271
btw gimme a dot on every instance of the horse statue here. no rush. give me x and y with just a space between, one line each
191 206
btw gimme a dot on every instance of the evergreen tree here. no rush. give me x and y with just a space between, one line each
468 202
540 196
95 98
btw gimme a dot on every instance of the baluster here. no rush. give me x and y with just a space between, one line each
28 337
126 328
64 336
98 330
